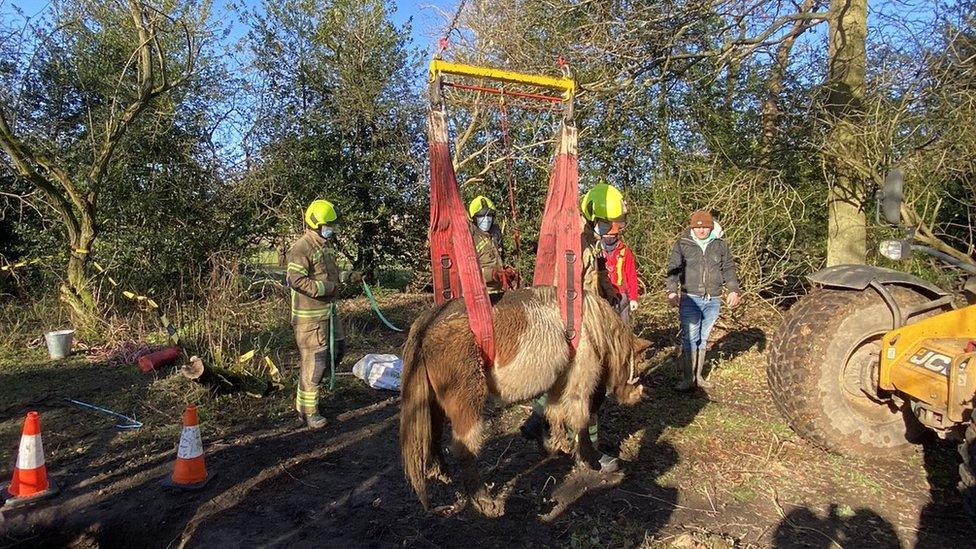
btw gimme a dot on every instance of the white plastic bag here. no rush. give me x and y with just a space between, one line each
379 371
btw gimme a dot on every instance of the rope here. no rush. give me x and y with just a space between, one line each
457 15
509 169
332 345
376 308
133 424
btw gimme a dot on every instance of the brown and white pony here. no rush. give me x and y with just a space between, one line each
444 379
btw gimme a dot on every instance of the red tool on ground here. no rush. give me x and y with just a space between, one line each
162 357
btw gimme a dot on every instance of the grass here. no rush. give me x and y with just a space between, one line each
731 450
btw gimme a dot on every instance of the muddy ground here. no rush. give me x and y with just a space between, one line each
708 470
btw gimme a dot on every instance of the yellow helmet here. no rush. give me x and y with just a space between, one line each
320 212
479 203
604 202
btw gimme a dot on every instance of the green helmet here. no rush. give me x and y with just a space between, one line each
604 202
479 203
320 212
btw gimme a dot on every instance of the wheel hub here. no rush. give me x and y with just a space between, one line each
860 379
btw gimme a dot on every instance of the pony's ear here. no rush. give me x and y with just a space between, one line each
641 345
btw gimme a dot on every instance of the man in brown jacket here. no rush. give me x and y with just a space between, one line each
314 279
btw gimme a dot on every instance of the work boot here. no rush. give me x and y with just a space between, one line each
315 421
700 371
534 428
687 365
589 454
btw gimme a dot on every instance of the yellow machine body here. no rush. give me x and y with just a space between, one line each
927 361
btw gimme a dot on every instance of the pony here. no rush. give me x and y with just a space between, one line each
444 379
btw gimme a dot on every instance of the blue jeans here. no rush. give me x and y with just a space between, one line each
698 315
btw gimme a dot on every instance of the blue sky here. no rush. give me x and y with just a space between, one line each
429 16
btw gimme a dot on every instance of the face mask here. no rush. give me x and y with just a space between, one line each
484 222
326 231
602 227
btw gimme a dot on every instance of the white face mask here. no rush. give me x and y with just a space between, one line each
484 222
326 231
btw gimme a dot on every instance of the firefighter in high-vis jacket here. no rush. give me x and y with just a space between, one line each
487 243
315 280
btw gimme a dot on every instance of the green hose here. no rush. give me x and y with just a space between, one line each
332 308
376 308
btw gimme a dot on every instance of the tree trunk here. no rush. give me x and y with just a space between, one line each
75 293
846 234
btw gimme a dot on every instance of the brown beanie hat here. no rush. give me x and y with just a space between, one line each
702 218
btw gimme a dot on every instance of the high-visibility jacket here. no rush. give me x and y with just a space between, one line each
596 278
489 258
313 277
622 270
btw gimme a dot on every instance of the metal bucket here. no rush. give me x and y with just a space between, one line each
59 343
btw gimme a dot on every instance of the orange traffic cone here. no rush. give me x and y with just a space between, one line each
30 482
190 472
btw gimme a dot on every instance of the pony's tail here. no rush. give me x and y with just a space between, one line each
416 436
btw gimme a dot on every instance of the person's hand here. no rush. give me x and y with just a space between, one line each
633 305
351 277
673 299
733 300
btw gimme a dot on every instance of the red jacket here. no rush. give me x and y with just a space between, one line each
622 270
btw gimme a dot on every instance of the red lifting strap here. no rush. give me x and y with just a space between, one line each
454 264
560 251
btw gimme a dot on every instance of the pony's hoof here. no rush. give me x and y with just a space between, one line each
489 507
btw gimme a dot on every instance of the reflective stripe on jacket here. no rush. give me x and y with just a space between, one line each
489 257
622 270
313 277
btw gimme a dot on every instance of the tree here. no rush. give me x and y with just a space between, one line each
82 85
338 118
847 59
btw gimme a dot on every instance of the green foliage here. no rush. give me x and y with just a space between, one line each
338 118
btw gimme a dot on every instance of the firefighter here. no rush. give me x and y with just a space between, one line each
622 273
487 244
604 213
315 280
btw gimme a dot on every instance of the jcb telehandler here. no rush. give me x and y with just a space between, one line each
872 357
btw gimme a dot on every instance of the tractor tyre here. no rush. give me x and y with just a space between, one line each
967 470
823 355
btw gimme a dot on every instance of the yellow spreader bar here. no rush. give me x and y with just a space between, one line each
439 66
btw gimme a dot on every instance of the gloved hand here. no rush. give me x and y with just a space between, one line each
351 277
633 305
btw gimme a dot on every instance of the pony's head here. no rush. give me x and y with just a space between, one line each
622 357
623 380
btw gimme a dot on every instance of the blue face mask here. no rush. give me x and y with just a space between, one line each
484 222
602 227
326 231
